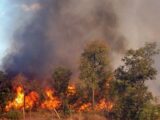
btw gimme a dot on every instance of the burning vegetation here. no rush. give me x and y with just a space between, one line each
99 89
48 68
22 101
51 102
18 102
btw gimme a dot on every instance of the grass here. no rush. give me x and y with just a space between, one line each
48 115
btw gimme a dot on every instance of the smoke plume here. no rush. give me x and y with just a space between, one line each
58 32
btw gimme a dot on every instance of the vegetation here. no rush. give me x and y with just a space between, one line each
61 78
5 90
14 115
125 87
95 68
133 97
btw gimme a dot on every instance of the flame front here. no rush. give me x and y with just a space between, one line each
22 101
100 106
31 99
51 101
18 102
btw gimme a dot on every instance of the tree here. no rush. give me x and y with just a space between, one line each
133 94
150 112
61 78
5 90
21 80
138 65
95 67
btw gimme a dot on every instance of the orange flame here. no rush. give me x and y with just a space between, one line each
71 90
101 105
85 107
51 101
104 105
31 99
18 102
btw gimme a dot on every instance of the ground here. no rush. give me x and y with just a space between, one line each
48 115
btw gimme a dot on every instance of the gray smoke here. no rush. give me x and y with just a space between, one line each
139 23
58 32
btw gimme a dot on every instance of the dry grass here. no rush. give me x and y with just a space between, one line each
86 117
46 115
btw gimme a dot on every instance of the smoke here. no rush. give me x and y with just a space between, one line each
139 23
58 32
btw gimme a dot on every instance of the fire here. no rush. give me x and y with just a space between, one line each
85 107
51 101
22 101
104 105
71 90
100 106
18 102
31 99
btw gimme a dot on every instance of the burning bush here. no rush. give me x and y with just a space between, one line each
22 101
51 102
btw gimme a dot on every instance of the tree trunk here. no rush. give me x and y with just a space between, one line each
93 97
57 113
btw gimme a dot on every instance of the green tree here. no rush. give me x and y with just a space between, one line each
61 78
95 68
132 95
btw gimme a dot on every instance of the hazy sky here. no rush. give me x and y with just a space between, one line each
138 19
12 16
4 21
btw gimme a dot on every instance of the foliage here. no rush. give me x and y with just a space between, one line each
138 65
150 112
126 88
61 78
5 90
132 95
95 68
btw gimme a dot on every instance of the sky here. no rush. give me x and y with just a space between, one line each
5 22
138 21
12 16
9 21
